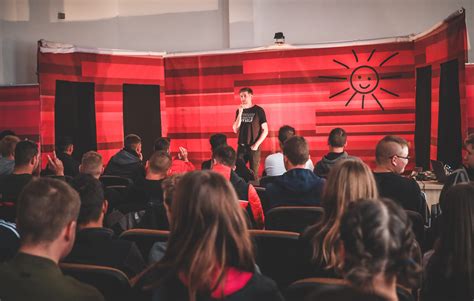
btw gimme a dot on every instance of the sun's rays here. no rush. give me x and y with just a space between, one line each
364 79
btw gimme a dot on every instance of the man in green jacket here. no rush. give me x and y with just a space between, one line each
46 219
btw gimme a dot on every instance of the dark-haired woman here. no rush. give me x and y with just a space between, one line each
378 247
449 274
209 254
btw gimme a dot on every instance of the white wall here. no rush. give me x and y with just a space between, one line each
191 25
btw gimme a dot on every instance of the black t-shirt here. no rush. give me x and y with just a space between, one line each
251 125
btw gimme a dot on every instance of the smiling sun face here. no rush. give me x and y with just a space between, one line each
363 80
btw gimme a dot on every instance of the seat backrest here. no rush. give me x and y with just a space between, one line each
263 197
112 283
145 238
278 255
293 218
301 289
418 226
115 180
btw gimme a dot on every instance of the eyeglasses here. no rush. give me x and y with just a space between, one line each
401 157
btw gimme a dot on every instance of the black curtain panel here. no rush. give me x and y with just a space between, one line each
74 114
141 114
423 117
449 122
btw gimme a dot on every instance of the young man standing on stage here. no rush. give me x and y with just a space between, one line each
252 128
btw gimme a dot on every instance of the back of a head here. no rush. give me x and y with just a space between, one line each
348 180
457 234
337 137
162 144
159 162
25 151
208 230
132 141
92 164
5 133
8 144
225 155
63 143
45 207
92 197
377 238
296 150
285 132
388 147
469 140
217 140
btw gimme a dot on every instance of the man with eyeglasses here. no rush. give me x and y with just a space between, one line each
391 156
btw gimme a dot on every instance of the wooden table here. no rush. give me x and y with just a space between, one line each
432 189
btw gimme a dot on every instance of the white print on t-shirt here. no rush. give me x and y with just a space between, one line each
247 117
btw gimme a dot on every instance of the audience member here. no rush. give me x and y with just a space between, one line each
5 133
391 156
64 150
348 181
210 253
224 163
128 161
94 243
378 248
92 164
47 213
169 184
298 186
7 150
215 141
241 169
466 172
337 142
148 194
26 162
178 165
157 169
449 274
274 165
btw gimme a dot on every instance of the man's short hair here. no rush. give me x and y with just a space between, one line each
337 137
25 151
296 149
8 144
5 133
246 89
469 140
132 141
92 197
159 162
45 207
386 148
91 163
225 155
63 143
169 185
217 140
285 132
162 144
